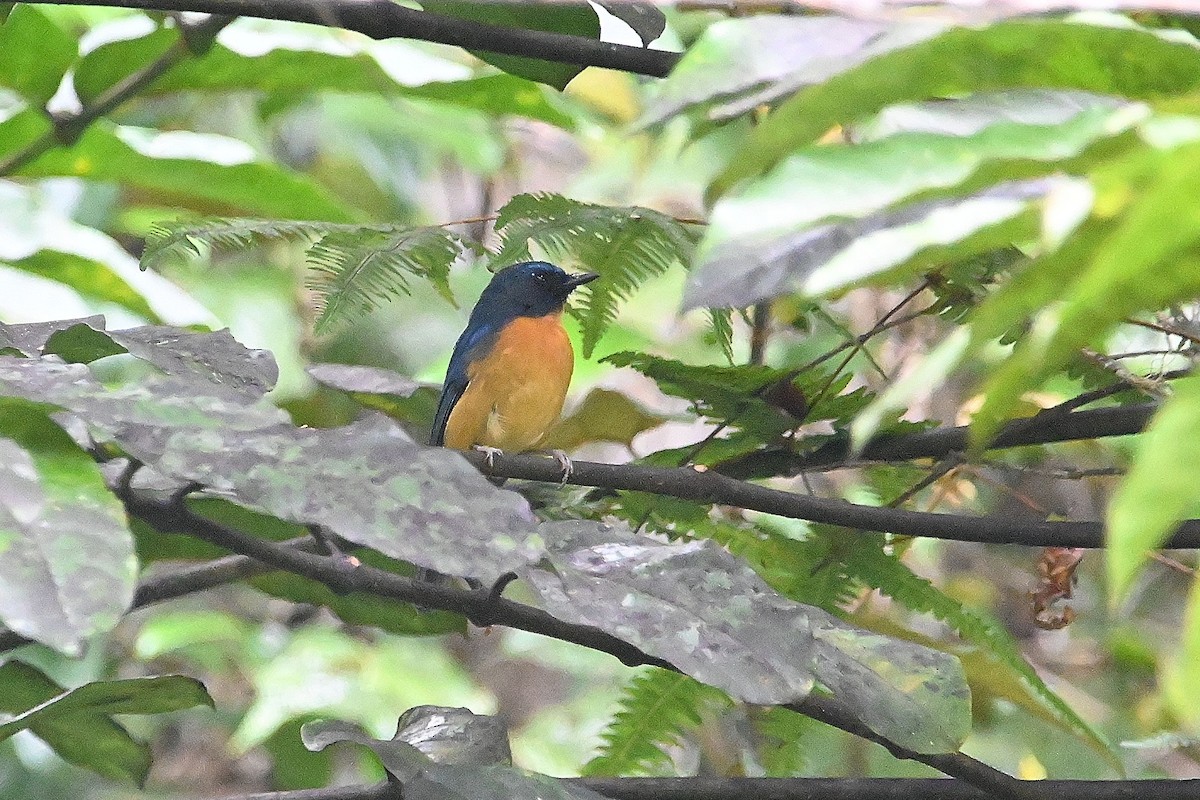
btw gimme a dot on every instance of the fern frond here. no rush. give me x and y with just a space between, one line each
890 576
626 245
656 711
189 239
720 329
354 271
782 745
355 267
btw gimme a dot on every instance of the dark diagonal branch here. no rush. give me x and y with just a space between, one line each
485 609
706 486
384 19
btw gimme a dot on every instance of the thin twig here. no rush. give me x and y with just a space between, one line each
193 38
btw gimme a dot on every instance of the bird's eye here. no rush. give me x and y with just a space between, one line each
541 276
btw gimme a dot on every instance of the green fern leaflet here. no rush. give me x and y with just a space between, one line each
626 245
657 710
355 267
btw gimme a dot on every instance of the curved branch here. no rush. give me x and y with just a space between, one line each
384 19
706 486
484 609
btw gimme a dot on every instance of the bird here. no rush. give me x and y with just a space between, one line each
509 373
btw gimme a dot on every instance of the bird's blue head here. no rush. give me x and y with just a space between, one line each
530 289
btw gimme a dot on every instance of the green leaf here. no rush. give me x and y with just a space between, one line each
1112 57
626 245
154 695
656 710
1158 492
602 416
571 17
35 53
66 553
389 615
646 19
987 641
87 739
38 239
202 171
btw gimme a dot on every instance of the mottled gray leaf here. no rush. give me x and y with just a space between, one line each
690 603
399 758
646 19
144 413
29 338
833 256
368 380
455 735
214 357
67 565
915 696
368 482
701 609
424 779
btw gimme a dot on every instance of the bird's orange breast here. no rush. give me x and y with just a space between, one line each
515 391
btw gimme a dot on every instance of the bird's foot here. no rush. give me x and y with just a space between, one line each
564 462
489 454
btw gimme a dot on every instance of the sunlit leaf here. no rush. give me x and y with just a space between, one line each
67 567
1158 493
1114 58
33 72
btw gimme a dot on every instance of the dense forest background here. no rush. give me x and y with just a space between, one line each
882 407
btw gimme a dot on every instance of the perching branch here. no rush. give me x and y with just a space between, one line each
706 486
384 19
484 609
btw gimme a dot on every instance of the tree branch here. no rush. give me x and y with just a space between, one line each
1097 423
384 19
483 609
707 486
792 789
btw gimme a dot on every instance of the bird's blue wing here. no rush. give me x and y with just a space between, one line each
475 340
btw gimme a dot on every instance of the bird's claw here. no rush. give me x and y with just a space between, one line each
489 454
564 463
